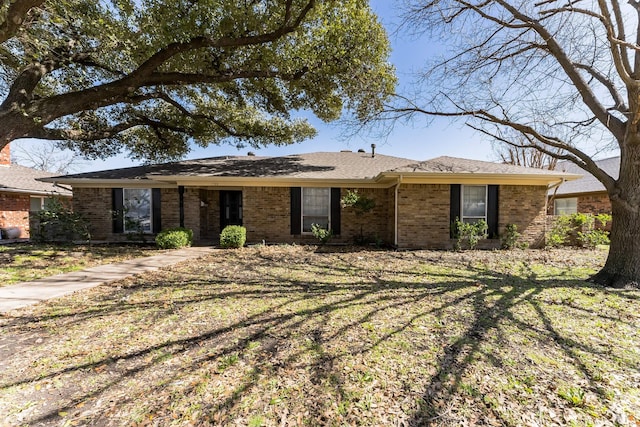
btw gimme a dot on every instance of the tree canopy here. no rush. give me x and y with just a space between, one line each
559 76
151 76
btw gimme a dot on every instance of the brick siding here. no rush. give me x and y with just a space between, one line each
375 224
267 214
526 207
95 205
15 212
423 216
594 203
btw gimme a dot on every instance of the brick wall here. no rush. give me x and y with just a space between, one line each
169 208
5 155
525 206
374 224
596 203
191 211
95 205
14 212
423 216
267 214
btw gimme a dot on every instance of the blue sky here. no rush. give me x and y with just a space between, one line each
420 140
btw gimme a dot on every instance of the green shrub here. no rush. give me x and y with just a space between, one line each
579 229
57 222
174 238
560 230
233 236
321 234
469 234
510 237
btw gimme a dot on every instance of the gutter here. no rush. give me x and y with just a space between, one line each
395 233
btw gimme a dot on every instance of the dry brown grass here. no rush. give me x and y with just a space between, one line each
286 336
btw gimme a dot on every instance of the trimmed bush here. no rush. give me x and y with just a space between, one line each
233 236
174 238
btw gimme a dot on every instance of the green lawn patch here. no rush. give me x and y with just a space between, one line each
287 335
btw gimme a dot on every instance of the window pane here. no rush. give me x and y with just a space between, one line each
35 204
474 201
566 206
137 209
315 207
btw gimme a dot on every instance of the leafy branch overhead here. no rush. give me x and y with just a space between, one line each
152 76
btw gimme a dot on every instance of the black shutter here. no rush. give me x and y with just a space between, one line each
296 210
335 211
454 207
117 208
492 211
155 206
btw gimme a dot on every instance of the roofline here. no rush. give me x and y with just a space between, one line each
221 181
34 192
382 180
475 178
579 194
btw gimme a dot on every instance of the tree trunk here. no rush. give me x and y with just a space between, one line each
622 268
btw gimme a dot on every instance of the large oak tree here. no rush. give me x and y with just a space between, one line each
560 76
152 76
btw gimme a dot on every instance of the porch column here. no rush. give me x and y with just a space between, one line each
181 204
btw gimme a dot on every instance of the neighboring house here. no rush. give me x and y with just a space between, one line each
584 195
22 193
277 199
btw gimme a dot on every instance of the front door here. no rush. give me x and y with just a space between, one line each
230 208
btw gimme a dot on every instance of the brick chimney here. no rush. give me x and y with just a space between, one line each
5 155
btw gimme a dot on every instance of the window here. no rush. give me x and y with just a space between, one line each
316 208
474 203
137 210
565 206
39 203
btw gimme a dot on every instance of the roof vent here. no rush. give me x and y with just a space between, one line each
361 150
373 150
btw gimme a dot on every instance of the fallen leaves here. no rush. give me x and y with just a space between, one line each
282 335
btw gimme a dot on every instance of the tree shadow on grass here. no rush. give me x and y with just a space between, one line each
298 336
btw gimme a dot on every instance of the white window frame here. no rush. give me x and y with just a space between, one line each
124 214
474 218
302 214
43 202
565 210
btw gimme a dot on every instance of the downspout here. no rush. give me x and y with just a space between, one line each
555 190
395 233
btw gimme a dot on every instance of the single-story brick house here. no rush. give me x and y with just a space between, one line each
584 195
278 198
21 193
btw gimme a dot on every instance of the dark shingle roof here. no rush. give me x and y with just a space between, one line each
588 183
16 178
448 165
323 165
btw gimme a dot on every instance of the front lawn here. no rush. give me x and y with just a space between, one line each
289 336
20 262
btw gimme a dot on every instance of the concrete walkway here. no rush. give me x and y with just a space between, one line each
28 293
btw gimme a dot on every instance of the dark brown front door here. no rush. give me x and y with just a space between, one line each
230 208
